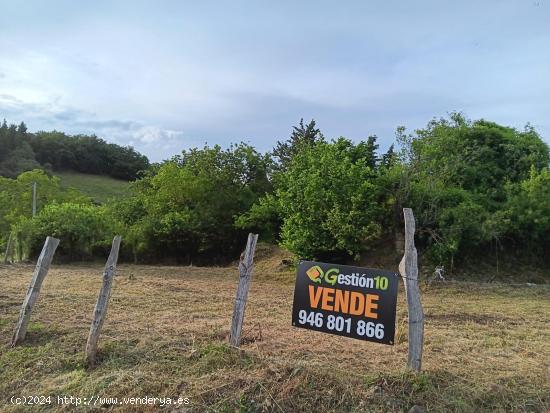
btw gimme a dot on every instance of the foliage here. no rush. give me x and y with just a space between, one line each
301 136
81 228
526 214
476 188
327 200
186 208
459 175
16 154
16 197
479 156
21 151
472 185
263 217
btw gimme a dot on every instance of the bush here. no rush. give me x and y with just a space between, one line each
81 228
328 201
472 187
185 209
525 218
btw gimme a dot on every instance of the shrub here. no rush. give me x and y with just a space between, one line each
81 228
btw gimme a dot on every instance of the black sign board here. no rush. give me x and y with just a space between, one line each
348 301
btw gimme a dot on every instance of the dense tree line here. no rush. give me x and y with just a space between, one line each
185 208
477 189
22 151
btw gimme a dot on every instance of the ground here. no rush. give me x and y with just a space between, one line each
100 187
487 346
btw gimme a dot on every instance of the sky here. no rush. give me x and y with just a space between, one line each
164 76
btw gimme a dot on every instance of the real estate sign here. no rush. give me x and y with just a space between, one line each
344 300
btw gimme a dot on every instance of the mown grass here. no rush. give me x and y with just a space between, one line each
166 334
99 187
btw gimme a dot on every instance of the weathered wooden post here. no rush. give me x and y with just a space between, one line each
8 248
245 275
40 272
102 303
408 267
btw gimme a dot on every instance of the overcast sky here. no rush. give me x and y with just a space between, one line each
167 75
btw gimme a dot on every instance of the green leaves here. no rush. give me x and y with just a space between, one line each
473 185
21 151
80 227
187 207
327 201
468 185
16 197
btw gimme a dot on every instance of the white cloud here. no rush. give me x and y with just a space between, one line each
156 142
152 134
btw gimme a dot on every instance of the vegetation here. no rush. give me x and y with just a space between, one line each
473 185
327 200
22 151
16 206
83 230
459 176
101 188
186 207
486 347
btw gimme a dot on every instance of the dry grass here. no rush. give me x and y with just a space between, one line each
487 347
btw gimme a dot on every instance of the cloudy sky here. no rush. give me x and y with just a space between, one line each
167 75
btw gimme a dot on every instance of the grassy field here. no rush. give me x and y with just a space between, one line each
487 346
99 187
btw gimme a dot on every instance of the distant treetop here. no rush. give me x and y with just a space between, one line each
23 151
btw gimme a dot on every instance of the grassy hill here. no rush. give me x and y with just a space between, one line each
99 187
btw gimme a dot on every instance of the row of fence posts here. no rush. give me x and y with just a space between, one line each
100 310
408 269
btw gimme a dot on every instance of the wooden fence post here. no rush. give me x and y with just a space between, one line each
40 272
102 303
246 264
19 245
408 267
8 248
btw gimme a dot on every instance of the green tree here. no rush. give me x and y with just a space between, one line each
185 209
455 174
302 135
16 198
525 218
327 200
478 156
81 228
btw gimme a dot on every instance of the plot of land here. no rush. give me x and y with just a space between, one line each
487 347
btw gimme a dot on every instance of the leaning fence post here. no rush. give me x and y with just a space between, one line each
40 272
408 267
8 249
102 303
245 275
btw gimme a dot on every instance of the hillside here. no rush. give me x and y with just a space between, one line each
100 187
22 151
